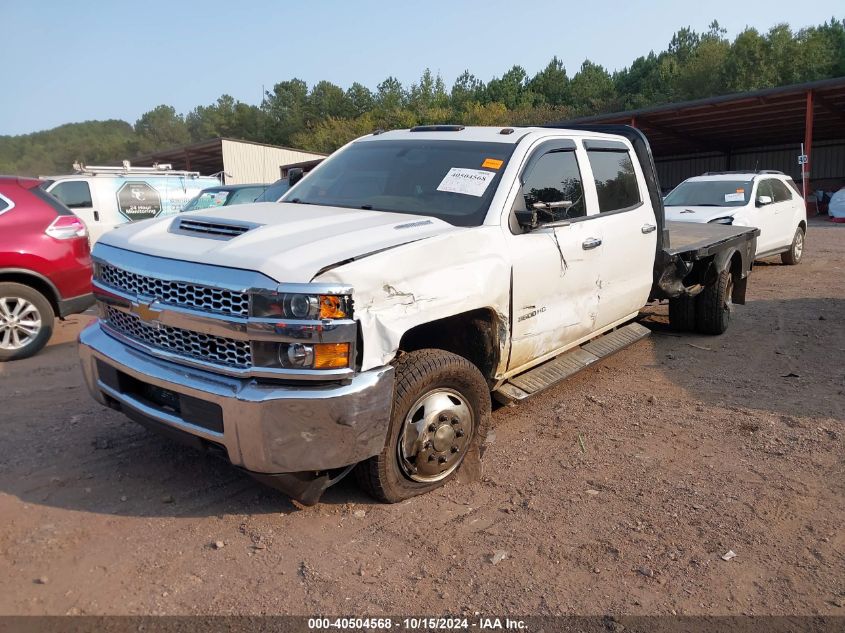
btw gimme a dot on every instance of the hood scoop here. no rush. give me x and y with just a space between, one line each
210 227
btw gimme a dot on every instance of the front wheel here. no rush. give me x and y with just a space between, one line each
793 255
26 321
440 414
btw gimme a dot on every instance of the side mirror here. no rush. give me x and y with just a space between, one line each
295 174
527 219
764 200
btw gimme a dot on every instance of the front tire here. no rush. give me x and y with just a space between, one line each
714 305
26 321
440 415
796 250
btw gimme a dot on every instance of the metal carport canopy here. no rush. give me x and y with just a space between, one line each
774 116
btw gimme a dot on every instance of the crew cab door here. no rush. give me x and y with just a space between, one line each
628 230
554 275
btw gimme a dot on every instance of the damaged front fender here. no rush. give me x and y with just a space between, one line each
424 281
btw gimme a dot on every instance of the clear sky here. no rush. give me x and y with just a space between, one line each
66 61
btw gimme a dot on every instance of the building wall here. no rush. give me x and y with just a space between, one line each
249 162
828 163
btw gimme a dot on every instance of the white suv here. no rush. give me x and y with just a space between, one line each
767 200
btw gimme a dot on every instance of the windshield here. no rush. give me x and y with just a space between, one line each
206 199
710 193
223 197
245 194
450 180
274 191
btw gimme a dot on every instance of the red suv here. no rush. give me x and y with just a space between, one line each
45 266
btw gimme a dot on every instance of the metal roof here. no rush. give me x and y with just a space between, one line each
749 119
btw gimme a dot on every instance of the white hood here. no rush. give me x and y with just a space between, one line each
699 214
291 243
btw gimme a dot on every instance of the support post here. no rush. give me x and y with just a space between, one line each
808 146
633 121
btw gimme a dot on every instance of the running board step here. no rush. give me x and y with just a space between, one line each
569 363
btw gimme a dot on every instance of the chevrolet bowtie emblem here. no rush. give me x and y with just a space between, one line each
145 311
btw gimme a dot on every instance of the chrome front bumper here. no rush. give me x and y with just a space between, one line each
267 428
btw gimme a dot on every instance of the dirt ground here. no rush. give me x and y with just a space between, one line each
693 446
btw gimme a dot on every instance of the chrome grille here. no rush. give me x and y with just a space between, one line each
204 347
176 293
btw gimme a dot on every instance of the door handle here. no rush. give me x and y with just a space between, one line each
648 228
590 243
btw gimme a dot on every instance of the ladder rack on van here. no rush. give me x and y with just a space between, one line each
157 169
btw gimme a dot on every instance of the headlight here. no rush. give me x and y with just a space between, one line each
301 355
725 220
301 306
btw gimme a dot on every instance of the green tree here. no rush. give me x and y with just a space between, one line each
510 89
702 73
552 84
327 135
429 93
592 89
53 152
161 127
360 99
467 88
640 84
286 109
327 100
821 51
228 118
782 52
747 64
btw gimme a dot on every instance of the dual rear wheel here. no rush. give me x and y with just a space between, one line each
707 313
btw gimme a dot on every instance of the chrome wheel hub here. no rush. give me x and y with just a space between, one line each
799 245
435 436
20 322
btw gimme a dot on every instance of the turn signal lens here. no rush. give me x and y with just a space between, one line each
331 355
332 307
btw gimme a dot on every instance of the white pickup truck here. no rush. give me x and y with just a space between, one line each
365 320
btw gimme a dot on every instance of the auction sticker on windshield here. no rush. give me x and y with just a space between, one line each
470 182
734 197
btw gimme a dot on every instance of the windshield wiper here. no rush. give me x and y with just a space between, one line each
366 207
298 201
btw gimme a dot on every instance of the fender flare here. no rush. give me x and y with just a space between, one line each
53 297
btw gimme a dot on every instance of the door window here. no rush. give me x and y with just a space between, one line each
616 181
554 186
765 189
74 193
781 191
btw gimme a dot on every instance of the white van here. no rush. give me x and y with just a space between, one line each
105 197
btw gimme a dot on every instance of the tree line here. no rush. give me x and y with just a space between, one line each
324 116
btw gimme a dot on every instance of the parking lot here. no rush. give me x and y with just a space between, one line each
619 491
